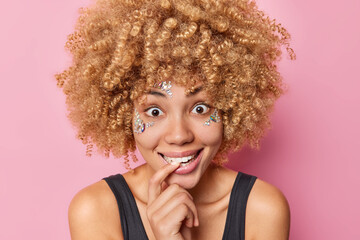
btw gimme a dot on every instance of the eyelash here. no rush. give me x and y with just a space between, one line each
150 109
201 104
148 112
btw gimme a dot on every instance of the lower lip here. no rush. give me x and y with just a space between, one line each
189 167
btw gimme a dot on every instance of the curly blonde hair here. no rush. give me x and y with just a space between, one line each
121 48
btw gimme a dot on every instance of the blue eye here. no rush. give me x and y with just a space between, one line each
154 112
201 109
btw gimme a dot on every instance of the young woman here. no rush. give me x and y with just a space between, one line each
184 82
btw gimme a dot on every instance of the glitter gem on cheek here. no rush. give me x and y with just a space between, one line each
139 125
213 117
164 86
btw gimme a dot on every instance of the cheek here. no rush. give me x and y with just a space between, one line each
211 135
148 140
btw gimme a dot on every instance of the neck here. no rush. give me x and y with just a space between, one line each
208 190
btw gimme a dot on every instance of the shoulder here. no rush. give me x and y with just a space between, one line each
267 213
93 214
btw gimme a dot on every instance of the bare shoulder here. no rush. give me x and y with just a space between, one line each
267 213
93 214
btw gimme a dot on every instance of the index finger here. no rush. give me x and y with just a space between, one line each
157 179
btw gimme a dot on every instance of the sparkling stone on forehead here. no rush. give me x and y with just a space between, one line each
164 86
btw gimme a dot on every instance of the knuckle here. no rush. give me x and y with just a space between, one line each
153 181
153 218
162 227
182 196
175 187
183 208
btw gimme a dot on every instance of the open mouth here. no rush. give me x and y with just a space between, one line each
182 160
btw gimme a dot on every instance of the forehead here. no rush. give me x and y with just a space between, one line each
166 89
191 82
175 93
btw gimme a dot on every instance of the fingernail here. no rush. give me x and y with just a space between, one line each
175 163
196 223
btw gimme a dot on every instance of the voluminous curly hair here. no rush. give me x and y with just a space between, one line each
121 48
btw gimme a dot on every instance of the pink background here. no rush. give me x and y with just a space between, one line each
310 153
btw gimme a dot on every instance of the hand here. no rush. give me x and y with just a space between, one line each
170 209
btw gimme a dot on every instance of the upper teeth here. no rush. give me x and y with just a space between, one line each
182 159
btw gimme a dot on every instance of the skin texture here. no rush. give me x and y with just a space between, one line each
173 206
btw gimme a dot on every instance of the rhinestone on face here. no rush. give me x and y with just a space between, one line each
213 117
164 86
141 128
139 125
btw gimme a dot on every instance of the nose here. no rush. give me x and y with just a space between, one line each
179 132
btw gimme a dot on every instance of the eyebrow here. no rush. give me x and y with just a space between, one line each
156 93
196 91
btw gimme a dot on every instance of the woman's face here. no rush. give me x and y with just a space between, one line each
178 128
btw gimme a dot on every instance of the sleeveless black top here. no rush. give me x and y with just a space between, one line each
133 228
